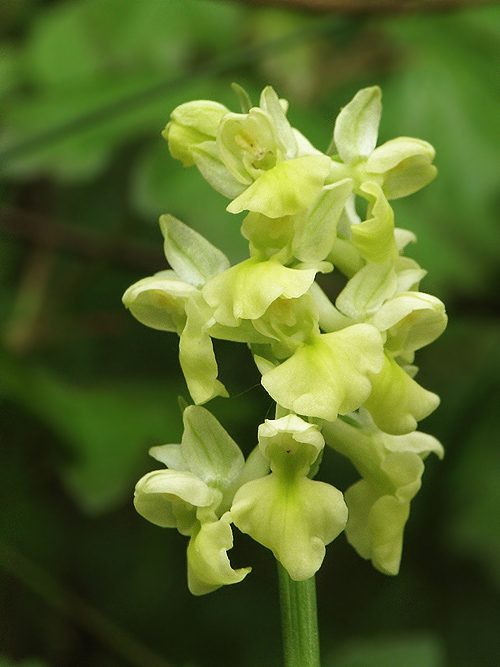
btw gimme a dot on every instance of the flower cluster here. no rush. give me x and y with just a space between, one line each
341 374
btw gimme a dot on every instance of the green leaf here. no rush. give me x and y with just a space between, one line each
30 662
107 427
80 135
83 63
8 68
74 41
217 25
62 48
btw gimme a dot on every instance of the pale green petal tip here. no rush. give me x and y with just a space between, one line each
374 238
272 431
191 256
406 165
197 358
215 172
243 97
317 230
170 456
356 127
209 450
367 290
411 320
209 567
415 442
376 525
397 402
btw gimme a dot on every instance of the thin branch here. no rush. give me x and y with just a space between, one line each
372 6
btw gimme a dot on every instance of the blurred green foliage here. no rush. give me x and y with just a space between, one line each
419 651
86 88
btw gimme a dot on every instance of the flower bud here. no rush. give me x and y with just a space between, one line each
191 124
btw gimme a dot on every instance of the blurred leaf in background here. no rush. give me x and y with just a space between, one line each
5 662
106 428
391 652
82 59
86 89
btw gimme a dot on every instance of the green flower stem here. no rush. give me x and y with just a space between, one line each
299 620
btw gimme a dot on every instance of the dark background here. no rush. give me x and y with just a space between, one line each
86 89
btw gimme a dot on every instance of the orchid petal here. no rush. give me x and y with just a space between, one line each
159 301
191 256
197 357
374 238
294 518
330 375
286 189
356 127
209 450
247 290
208 563
168 498
397 402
